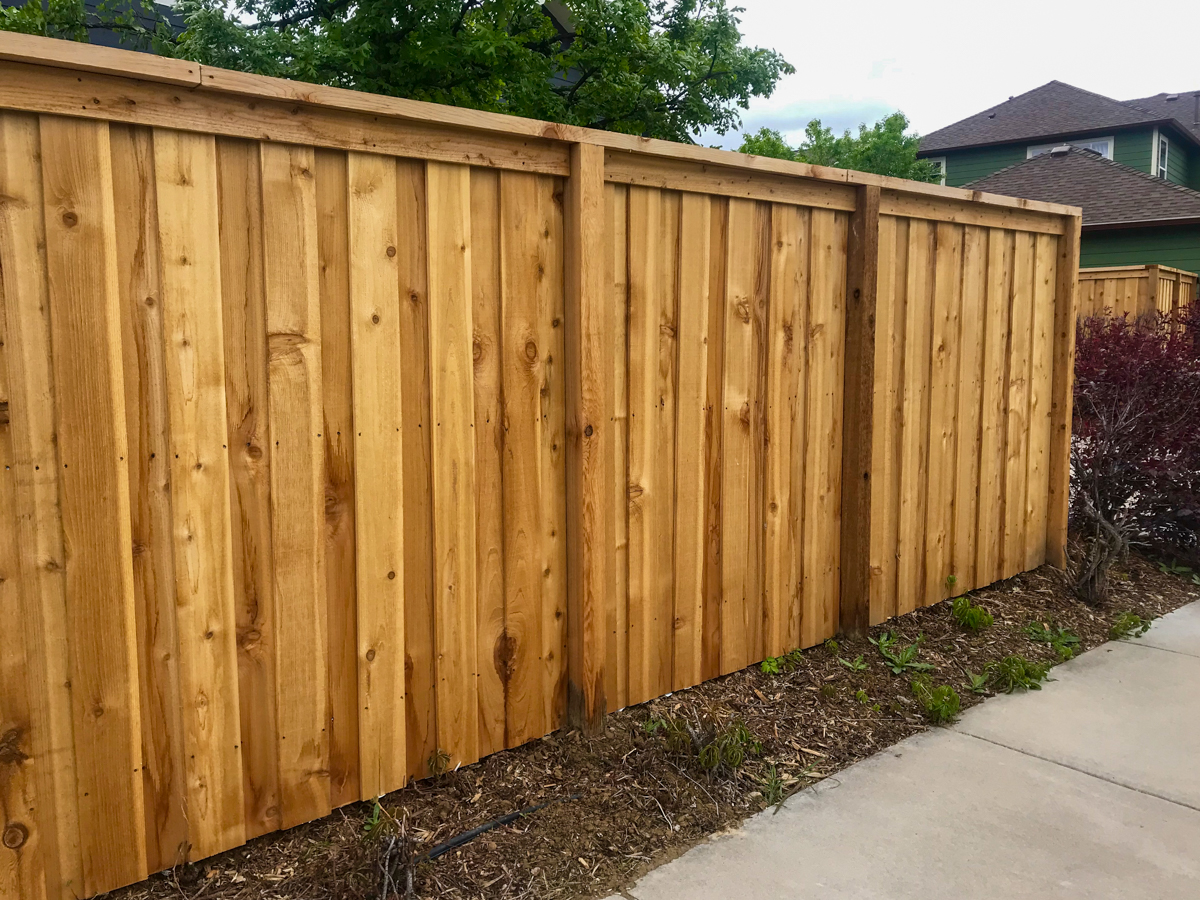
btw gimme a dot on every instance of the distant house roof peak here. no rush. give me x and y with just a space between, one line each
1059 110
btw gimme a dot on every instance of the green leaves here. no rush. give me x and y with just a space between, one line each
1015 672
900 660
885 148
940 704
1128 625
855 665
969 617
1060 640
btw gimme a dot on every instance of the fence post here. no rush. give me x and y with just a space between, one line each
588 549
1061 398
862 283
1153 286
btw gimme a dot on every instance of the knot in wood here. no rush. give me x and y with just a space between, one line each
15 835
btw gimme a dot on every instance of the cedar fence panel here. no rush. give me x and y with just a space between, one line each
348 437
1135 290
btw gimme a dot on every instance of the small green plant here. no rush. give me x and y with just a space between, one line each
862 697
940 704
1173 568
977 684
439 762
827 692
773 787
717 747
1016 671
951 584
854 665
970 617
777 665
832 646
376 821
1128 625
1060 640
900 661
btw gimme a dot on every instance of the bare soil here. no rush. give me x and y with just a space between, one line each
624 802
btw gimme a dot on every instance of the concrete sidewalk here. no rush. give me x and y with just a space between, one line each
1088 788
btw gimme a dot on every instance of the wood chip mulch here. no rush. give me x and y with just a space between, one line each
625 802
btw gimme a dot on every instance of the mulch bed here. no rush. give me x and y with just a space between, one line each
625 802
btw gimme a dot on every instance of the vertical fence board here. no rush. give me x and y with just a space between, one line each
970 385
823 464
22 873
914 421
452 414
943 414
1066 286
893 249
494 658
785 346
690 459
85 326
379 513
713 426
1038 425
291 270
186 182
55 828
330 171
993 430
147 415
616 614
737 437
1017 445
244 319
653 233
419 640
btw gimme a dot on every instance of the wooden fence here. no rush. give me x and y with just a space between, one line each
342 432
1135 290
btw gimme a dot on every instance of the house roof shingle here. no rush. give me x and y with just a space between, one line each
1183 107
1048 112
1110 193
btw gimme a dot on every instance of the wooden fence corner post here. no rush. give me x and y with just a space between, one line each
862 283
1061 401
588 569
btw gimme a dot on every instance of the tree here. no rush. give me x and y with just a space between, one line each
659 68
886 148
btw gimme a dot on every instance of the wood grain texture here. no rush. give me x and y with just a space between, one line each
452 419
993 431
823 464
1066 286
85 327
379 473
653 297
54 829
244 321
940 580
616 283
291 266
588 360
341 595
419 617
147 416
695 235
714 415
493 652
1037 479
787 319
1017 445
187 191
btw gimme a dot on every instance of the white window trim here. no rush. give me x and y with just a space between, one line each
1034 149
940 162
1162 164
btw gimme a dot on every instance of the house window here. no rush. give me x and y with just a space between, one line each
1164 147
939 166
1103 146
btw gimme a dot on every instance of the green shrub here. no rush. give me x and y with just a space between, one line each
777 665
900 661
1128 625
940 704
717 748
970 617
1016 671
1060 640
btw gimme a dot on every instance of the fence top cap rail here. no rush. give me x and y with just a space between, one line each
1139 270
43 51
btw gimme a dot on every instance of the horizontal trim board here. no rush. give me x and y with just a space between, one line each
703 178
345 119
960 212
59 91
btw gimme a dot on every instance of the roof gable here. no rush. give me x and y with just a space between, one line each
1053 110
1108 192
1183 107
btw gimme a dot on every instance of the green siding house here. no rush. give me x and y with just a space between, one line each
1137 163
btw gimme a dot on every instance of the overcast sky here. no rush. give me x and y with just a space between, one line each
858 60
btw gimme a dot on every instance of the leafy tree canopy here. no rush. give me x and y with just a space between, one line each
660 68
886 148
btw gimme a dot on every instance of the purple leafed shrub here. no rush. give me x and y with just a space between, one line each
1135 449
